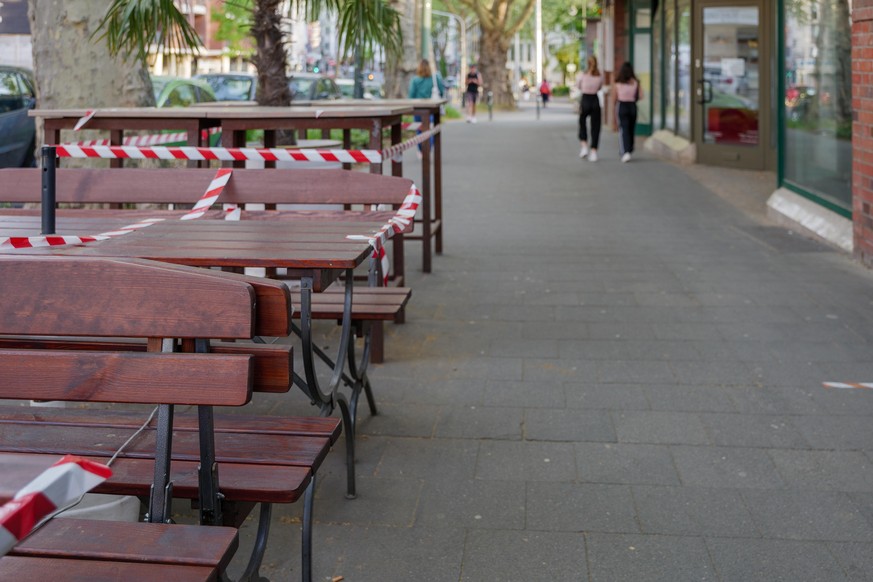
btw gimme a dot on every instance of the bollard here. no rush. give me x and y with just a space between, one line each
537 99
49 164
490 100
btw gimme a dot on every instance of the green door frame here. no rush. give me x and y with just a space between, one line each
635 5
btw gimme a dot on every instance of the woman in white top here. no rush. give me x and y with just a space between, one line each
626 94
589 83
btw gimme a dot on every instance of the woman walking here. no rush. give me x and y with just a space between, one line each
589 83
627 93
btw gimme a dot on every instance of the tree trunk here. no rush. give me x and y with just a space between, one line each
74 71
270 57
492 65
400 70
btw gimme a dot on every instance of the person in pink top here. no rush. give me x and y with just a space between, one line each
589 83
625 96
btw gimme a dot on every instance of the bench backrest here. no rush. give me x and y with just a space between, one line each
112 298
186 186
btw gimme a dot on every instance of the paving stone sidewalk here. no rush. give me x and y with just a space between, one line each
612 374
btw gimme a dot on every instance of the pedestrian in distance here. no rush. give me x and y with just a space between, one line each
421 87
625 96
589 83
471 95
545 91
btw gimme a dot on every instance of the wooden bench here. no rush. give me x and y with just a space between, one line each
173 309
185 186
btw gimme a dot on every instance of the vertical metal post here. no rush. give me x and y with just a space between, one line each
49 198
537 99
490 99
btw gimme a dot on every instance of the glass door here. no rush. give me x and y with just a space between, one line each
731 116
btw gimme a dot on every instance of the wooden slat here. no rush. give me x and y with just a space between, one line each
260 449
171 378
272 370
314 426
154 543
43 569
87 297
167 186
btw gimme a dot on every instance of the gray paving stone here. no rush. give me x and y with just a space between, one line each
521 556
549 424
606 396
824 470
753 560
809 515
529 393
774 400
370 554
625 463
693 511
653 558
401 419
478 422
388 502
686 331
472 503
726 467
758 430
526 461
416 459
838 432
856 560
512 348
551 370
580 507
682 398
633 372
588 349
657 427
713 373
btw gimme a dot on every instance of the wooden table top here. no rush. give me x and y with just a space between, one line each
301 245
369 103
225 112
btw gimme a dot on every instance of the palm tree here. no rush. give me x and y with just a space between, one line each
133 25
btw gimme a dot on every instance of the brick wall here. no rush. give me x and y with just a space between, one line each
862 129
622 34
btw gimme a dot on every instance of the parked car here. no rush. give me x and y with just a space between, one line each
231 86
177 92
17 130
372 90
313 87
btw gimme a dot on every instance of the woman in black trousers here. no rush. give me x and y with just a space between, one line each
589 83
625 96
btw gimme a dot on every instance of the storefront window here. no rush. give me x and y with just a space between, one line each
818 99
657 71
683 61
671 55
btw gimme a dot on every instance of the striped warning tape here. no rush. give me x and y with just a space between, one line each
849 385
396 224
150 140
211 195
241 154
51 492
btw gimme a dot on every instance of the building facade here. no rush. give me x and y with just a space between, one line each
761 84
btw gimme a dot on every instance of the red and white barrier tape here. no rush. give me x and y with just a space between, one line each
411 125
396 224
142 152
84 119
216 187
52 491
149 140
394 152
849 385
220 154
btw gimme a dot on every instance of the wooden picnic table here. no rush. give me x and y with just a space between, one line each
429 111
316 251
18 470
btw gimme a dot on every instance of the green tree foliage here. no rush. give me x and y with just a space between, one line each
234 19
